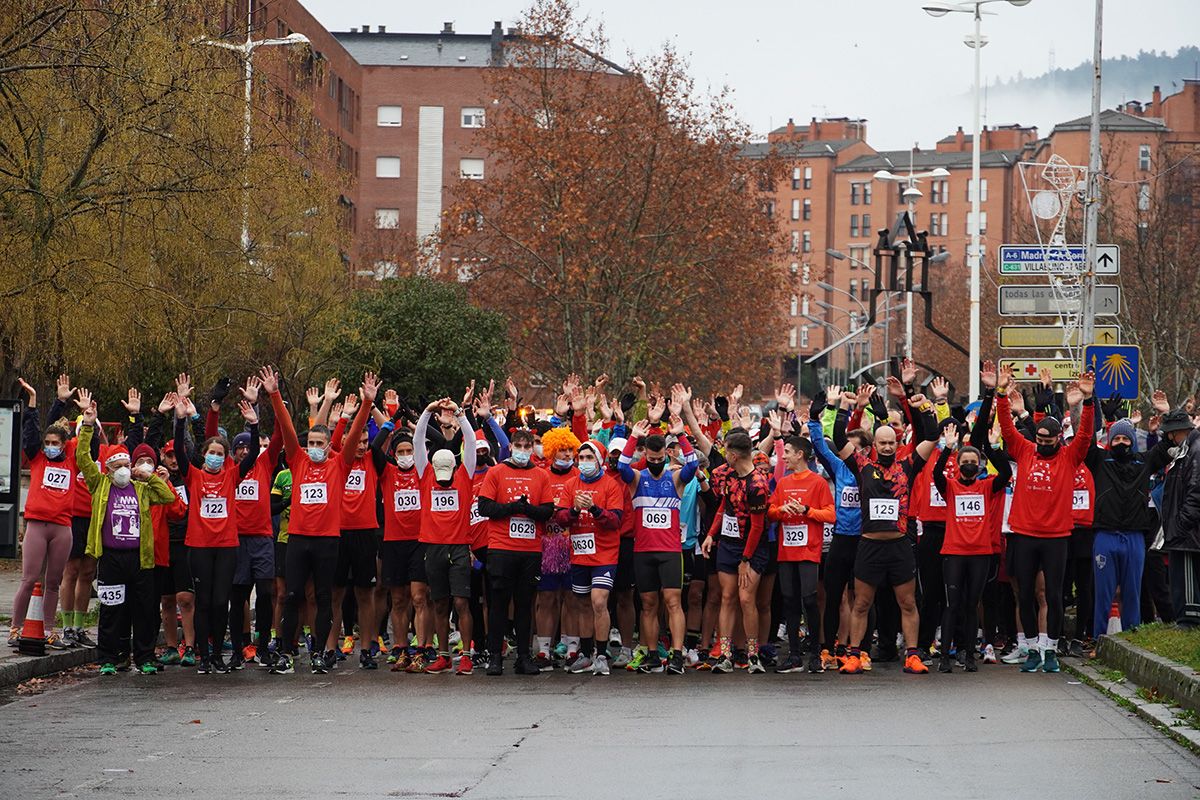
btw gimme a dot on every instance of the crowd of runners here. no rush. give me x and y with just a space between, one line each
647 531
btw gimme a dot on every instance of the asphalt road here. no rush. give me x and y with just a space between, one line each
997 733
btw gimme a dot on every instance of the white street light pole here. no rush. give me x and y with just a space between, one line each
974 257
1092 212
246 51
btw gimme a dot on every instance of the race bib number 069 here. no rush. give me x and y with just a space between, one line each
656 519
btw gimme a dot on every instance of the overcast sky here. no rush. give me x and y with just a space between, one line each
907 73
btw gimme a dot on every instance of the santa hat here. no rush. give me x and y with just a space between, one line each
596 447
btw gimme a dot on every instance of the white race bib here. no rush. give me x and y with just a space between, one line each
111 595
476 517
214 508
968 505
884 509
182 492
935 497
356 480
313 494
56 478
656 519
683 530
583 544
521 528
1081 500
730 526
828 533
406 500
795 535
849 497
443 500
247 490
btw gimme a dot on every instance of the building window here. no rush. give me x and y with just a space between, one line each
858 257
854 226
385 270
807 209
795 177
387 167
388 116
866 225
770 209
804 336
935 228
795 305
387 218
938 192
853 289
853 320
971 190
472 117
795 209
792 337
795 241
866 194
805 277
1144 157
854 193
808 177
807 242
471 168
982 222
804 305
1143 197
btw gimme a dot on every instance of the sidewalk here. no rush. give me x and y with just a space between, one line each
15 668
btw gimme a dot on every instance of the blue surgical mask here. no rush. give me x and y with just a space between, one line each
52 452
563 463
213 462
589 468
316 455
520 457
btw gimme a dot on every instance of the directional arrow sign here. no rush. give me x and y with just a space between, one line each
1037 300
1029 369
1043 337
1037 259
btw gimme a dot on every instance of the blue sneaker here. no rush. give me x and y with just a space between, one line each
1033 661
1050 664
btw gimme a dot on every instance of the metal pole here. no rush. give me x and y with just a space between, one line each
973 255
908 312
1092 220
246 118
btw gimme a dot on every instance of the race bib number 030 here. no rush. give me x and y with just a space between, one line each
884 509
406 500
521 528
656 519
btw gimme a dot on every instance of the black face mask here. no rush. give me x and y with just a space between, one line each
1047 450
1120 451
968 471
656 468
886 461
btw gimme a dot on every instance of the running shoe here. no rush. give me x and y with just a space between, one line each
527 666
600 666
170 656
754 665
495 666
249 652
913 665
55 642
455 642
828 661
1015 656
989 654
188 658
791 664
283 665
635 663
417 663
1033 661
84 640
814 663
202 667
465 665
439 665
675 664
945 664
69 638
147 668
366 660
851 665
622 659
217 664
544 664
652 663
969 663
1050 663
347 645
768 655
741 659
108 668
663 652
864 659
1075 649
309 643
319 664
692 657
395 654
275 645
236 661
614 639
265 658
580 665
722 666
378 647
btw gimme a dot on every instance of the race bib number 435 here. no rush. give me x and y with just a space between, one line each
111 594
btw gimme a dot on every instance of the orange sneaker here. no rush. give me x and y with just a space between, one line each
828 662
439 664
465 667
348 645
851 665
913 665
865 660
250 652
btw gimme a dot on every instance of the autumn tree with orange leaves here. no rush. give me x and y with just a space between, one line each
616 227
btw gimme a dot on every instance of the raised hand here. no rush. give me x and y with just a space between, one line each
676 426
183 385
29 390
918 400
63 388
248 412
641 428
1087 383
167 404
1136 417
391 399
682 392
313 396
468 394
1005 378
698 408
786 397
862 398
908 371
1072 394
676 404
249 392
605 408
510 393
939 387
950 433
833 393
987 375
562 404
133 404
1154 422
1016 400
333 389
369 389
656 410
349 405
1158 401
602 381
776 420
895 387
1044 375
735 397
578 400
89 412
269 380
83 399
744 418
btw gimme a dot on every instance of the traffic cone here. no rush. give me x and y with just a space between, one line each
1114 620
33 632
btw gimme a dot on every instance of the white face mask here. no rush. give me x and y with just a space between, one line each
121 477
405 462
538 451
143 471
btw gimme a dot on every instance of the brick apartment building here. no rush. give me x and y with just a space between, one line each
834 203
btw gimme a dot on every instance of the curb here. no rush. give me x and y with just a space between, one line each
22 668
1159 715
1178 683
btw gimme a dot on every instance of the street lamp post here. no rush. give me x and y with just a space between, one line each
246 51
830 307
976 42
888 309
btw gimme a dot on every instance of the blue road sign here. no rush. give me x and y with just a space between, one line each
1116 367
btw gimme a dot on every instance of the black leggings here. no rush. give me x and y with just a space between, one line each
929 574
308 557
1031 554
965 577
512 576
212 576
264 594
839 574
798 584
478 592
